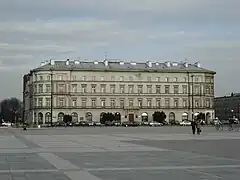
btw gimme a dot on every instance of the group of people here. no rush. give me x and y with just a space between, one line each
196 125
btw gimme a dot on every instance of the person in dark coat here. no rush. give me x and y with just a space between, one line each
193 124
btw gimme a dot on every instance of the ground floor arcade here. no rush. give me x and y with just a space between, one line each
43 116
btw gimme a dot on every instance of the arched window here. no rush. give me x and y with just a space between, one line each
185 116
74 117
88 116
60 116
40 118
144 117
171 116
48 118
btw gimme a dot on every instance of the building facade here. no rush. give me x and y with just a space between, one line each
227 106
85 90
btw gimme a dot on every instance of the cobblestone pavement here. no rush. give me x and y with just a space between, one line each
119 153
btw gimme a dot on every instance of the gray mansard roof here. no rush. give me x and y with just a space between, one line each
113 65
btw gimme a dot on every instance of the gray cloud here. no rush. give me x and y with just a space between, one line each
201 30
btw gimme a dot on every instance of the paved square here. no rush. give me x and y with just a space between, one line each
119 153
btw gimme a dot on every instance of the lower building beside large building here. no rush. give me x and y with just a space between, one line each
133 91
227 106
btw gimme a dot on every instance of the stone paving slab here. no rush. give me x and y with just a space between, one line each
119 153
23 161
34 176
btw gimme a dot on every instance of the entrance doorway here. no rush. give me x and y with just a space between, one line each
131 117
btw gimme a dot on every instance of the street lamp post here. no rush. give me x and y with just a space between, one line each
51 98
232 112
192 99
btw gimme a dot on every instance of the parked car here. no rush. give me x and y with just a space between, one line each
130 124
185 123
154 124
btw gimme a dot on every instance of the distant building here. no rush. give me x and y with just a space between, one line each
132 90
227 106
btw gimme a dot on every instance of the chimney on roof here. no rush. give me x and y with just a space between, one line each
67 62
106 62
168 64
185 65
52 62
197 64
149 63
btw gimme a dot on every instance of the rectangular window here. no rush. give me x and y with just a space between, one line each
197 103
158 89
185 91
207 90
112 88
167 102
121 78
208 105
140 103
112 78
83 78
93 78
103 88
122 89
140 89
121 103
40 102
84 88
158 79
158 103
149 103
48 102
130 89
113 103
184 103
197 90
41 78
74 78
61 87
103 103
84 103
176 89
184 79
149 89
93 103
74 102
175 79
176 103
60 77
74 87
93 86
166 79
130 103
35 88
40 88
35 102
49 78
167 89
48 88
61 102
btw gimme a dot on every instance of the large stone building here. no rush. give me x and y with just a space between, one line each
133 90
227 106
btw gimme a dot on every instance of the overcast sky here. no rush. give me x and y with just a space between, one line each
159 30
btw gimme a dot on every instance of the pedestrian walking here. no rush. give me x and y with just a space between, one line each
193 124
198 126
